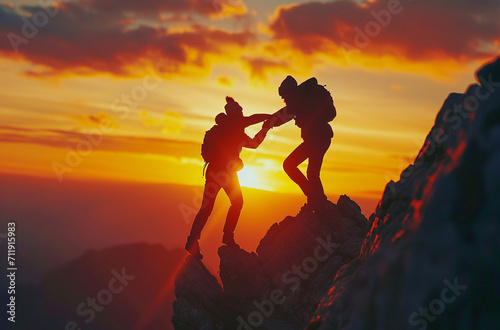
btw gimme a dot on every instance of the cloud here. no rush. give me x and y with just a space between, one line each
420 31
119 37
170 122
95 120
84 41
224 81
212 8
130 144
261 66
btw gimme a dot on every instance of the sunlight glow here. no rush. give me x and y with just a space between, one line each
250 177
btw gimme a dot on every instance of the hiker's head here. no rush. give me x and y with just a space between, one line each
288 87
232 107
221 118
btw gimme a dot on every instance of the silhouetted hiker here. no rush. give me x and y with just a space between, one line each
311 105
221 150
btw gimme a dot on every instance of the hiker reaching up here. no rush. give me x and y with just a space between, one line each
311 105
221 151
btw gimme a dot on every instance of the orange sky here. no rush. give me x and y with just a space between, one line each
114 90
104 105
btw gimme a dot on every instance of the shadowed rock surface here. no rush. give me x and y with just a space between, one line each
279 286
428 258
199 297
121 287
432 257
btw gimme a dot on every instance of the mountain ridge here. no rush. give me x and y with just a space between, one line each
433 230
292 261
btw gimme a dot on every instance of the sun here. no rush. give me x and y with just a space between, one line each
251 177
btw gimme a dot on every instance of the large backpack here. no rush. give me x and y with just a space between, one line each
210 149
320 98
219 146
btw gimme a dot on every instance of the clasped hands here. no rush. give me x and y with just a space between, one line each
267 125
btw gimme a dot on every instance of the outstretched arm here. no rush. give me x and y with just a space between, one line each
257 139
279 118
257 118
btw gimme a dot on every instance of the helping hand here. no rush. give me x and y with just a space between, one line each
267 125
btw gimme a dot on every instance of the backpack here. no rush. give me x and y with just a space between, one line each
321 99
217 146
210 145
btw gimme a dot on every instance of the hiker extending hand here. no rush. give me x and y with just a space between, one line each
221 151
311 105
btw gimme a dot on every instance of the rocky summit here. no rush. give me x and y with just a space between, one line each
427 258
279 286
432 257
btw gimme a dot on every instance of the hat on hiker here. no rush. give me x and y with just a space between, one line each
288 86
232 105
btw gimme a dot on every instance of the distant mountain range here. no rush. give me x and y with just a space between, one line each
123 287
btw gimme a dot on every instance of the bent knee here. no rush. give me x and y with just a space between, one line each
313 174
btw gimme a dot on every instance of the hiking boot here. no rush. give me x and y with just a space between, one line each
193 247
228 239
317 204
306 208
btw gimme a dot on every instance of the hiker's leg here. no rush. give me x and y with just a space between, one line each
291 163
212 188
233 191
317 150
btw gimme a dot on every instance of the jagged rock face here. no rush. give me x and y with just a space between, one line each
198 294
281 285
432 257
430 260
